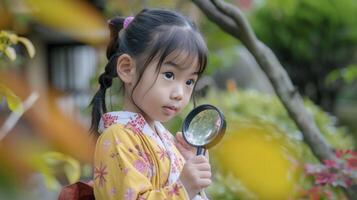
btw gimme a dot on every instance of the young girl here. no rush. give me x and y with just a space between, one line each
158 55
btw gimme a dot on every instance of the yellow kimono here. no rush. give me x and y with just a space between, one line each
134 162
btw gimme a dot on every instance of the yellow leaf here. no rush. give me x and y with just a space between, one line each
51 182
10 52
14 102
263 160
71 166
72 170
29 46
2 47
13 38
77 19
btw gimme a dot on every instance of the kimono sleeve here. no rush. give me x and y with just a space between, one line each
120 172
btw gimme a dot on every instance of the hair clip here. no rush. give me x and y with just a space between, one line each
127 21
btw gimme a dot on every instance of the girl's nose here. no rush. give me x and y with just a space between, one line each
177 93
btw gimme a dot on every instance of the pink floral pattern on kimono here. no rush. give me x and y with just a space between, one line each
141 166
129 194
175 190
142 163
100 173
109 120
137 124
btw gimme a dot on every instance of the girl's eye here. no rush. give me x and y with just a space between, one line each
168 75
190 82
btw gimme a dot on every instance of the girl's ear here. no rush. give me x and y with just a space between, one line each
126 68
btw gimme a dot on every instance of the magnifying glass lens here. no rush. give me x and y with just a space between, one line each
203 127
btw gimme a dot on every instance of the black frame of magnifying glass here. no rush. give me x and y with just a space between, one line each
193 113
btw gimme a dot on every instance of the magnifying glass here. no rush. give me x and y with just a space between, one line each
204 127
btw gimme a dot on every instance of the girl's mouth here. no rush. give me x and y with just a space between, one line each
170 110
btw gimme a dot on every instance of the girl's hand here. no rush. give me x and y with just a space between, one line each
196 175
186 150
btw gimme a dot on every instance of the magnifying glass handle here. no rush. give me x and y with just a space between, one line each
201 151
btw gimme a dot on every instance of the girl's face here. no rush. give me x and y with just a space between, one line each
163 95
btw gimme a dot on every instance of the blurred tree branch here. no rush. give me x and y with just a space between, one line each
231 20
14 116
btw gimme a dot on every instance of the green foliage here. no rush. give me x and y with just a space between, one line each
306 30
8 39
348 75
251 106
311 39
58 161
226 187
13 102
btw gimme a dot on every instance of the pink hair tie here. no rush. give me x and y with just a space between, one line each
127 21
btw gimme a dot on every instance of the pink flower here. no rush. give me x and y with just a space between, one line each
129 194
100 173
331 164
106 144
137 124
113 191
126 171
348 182
141 198
325 178
175 190
109 120
162 153
141 166
117 141
337 172
352 163
341 153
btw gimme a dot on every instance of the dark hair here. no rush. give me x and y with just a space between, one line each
153 34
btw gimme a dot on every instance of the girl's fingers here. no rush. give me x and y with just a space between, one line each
179 147
205 174
203 167
187 154
199 159
181 140
204 182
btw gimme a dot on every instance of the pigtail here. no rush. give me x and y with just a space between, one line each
115 25
105 79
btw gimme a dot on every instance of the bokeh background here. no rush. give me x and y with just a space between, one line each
51 53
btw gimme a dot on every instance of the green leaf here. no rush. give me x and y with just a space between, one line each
13 102
29 46
332 76
71 166
7 39
51 182
72 170
350 74
10 52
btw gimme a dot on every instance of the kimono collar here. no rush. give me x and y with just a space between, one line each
133 121
136 120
